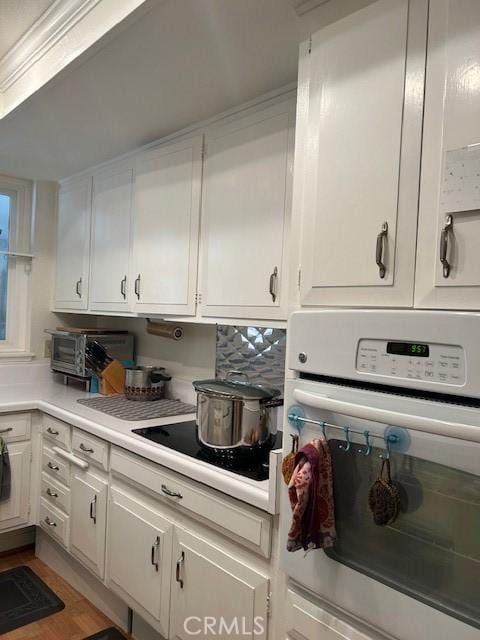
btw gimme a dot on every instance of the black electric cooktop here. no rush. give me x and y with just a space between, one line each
182 436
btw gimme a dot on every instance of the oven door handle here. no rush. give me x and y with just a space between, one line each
416 423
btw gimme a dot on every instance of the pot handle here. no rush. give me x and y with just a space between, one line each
278 402
236 373
157 376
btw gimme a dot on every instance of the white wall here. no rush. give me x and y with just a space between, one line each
191 358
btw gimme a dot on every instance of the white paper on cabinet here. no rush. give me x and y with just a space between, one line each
461 180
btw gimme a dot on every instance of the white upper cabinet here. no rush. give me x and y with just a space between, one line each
166 224
360 127
73 244
449 218
111 226
245 213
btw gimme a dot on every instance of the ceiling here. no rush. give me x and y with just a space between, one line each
182 62
16 17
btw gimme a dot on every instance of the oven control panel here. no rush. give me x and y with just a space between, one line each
429 362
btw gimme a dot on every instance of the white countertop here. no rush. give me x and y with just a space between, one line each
60 401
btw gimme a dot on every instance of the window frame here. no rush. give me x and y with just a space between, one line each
18 318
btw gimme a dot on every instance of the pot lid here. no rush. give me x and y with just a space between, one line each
235 389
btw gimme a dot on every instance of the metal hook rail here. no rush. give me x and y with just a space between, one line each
388 438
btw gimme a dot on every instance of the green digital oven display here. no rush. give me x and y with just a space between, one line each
408 349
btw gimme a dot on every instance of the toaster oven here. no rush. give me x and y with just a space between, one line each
68 350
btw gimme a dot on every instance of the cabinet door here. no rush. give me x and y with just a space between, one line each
452 105
14 512
73 245
359 191
166 221
111 213
139 557
210 587
88 520
245 210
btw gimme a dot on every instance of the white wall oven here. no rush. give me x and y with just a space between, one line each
403 385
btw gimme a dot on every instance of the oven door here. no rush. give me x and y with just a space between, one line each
419 576
68 354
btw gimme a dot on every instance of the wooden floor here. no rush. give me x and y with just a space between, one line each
78 620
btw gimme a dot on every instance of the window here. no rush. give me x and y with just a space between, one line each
15 265
6 205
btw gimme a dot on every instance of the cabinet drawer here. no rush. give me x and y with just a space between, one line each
55 467
247 524
90 448
307 620
54 522
15 426
54 493
57 432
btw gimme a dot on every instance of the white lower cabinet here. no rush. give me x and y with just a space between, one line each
88 520
14 512
306 620
215 594
139 557
120 521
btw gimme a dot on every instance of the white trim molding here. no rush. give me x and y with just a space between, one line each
59 36
46 32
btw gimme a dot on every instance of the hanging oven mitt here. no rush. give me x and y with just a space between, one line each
288 463
383 498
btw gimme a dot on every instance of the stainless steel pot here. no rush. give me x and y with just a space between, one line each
233 413
145 383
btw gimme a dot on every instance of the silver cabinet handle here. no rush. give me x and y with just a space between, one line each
379 250
51 493
7 430
155 551
180 563
137 287
123 287
172 494
78 288
50 523
86 449
444 246
273 284
53 432
53 467
93 510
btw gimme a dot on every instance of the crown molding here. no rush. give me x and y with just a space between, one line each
46 32
62 34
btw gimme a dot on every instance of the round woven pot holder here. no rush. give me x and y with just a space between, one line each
288 463
383 497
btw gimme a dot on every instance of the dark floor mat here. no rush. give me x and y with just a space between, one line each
24 598
107 634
